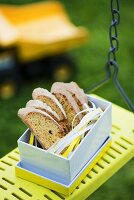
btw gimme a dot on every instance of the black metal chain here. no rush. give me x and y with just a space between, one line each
111 60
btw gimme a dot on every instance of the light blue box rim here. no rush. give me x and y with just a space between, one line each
18 165
70 157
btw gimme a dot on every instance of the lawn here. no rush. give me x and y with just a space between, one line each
90 60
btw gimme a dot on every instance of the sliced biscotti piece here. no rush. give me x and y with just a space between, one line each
46 97
44 107
76 92
69 104
42 125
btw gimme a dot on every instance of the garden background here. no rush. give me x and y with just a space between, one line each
90 60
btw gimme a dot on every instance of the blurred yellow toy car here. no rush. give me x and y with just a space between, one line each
36 37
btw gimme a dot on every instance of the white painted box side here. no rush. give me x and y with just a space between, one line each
66 169
47 163
94 139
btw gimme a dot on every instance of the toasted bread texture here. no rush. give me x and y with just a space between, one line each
43 126
76 92
69 104
44 107
46 97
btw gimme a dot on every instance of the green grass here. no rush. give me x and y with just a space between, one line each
90 59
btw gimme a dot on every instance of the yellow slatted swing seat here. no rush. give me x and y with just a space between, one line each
120 152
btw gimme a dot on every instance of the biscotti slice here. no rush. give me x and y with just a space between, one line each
69 104
46 97
77 93
44 107
81 93
42 125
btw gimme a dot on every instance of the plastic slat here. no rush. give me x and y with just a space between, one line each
120 152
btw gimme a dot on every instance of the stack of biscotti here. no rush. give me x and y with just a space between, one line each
50 114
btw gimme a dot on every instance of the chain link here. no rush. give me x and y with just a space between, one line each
113 34
111 59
